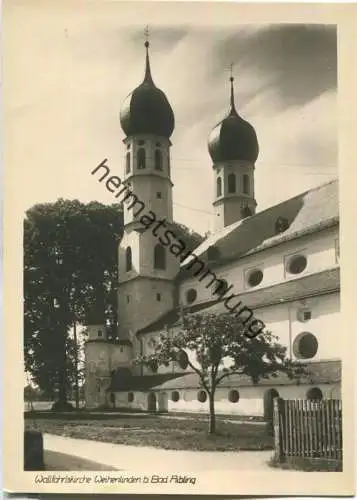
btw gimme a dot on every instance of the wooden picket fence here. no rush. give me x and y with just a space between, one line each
308 429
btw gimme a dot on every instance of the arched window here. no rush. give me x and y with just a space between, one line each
127 170
141 158
158 159
219 186
159 257
231 183
233 396
246 184
128 259
175 396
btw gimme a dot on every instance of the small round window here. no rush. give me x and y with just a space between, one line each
297 264
255 277
130 397
175 396
202 396
305 346
191 295
314 394
233 396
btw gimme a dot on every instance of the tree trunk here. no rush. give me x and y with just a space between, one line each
62 393
212 415
76 364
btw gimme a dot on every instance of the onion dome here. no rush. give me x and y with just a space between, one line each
233 138
146 110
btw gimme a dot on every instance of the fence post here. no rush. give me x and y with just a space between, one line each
278 420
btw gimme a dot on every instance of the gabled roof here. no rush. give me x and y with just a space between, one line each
308 212
319 372
127 382
326 281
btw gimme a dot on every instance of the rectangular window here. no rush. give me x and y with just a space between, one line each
307 315
158 297
159 195
128 298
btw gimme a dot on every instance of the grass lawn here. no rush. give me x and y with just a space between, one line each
307 464
62 461
151 430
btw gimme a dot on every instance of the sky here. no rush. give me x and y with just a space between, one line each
68 70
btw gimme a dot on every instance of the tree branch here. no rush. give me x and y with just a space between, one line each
199 374
227 374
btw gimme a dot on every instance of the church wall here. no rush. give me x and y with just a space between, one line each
139 402
148 241
120 356
250 403
138 302
97 373
251 399
283 321
156 196
320 249
129 239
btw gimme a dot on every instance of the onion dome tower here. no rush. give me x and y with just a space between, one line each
233 147
146 266
146 110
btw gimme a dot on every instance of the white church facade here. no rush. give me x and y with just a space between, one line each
282 263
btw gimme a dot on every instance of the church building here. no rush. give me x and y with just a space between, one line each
282 263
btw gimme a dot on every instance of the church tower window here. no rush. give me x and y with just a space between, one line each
128 259
158 160
141 158
219 187
159 257
127 169
231 183
246 184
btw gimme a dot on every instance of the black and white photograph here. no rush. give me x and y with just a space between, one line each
176 182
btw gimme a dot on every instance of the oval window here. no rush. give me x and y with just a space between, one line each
233 396
175 396
297 264
314 394
255 277
202 396
305 346
191 295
